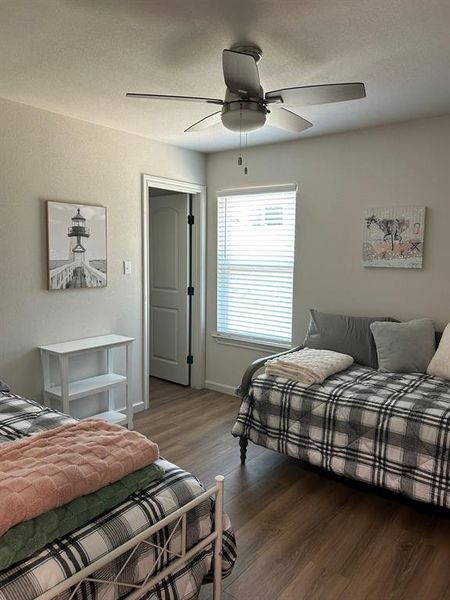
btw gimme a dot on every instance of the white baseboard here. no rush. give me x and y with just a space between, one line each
220 387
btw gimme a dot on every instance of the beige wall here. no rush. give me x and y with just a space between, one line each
44 156
337 176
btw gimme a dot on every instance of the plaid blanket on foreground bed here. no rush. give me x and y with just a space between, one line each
387 429
57 561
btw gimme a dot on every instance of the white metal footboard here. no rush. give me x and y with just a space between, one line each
179 518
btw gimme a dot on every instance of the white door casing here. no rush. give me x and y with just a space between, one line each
169 262
198 192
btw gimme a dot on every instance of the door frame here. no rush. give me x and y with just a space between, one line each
198 275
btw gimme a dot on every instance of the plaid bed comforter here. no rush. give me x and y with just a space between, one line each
55 562
387 429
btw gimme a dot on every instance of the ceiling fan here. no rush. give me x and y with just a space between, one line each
246 107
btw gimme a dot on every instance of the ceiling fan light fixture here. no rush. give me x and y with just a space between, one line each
243 116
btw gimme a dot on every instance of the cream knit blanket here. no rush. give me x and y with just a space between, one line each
308 365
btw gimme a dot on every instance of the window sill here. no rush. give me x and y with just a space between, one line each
228 340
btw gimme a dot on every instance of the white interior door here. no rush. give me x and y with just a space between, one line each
169 272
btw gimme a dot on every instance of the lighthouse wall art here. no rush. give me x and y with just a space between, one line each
76 246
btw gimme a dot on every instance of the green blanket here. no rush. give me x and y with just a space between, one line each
24 539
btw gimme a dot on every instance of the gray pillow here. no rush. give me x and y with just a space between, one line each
341 333
405 347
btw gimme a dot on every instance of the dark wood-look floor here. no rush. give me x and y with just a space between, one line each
301 534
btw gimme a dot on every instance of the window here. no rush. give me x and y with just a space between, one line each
255 265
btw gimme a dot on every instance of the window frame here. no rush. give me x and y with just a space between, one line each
235 340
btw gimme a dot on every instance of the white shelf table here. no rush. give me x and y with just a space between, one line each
67 391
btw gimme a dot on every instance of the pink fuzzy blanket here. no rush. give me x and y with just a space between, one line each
52 468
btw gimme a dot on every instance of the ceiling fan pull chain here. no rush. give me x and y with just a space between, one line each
245 155
240 137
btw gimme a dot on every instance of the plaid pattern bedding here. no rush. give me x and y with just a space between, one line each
20 417
387 429
55 562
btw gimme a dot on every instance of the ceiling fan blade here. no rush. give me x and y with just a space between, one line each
179 98
317 94
206 122
241 74
285 119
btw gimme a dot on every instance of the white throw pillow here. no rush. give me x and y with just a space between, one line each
440 363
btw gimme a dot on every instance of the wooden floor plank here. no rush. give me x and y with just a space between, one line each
314 583
301 534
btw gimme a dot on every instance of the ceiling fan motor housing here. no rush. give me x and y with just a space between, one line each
243 116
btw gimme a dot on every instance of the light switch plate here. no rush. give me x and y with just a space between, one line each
127 267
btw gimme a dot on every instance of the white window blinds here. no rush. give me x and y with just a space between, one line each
255 265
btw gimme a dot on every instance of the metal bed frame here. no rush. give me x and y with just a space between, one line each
151 580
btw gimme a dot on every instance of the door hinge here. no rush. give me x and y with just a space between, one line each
190 290
190 219
190 359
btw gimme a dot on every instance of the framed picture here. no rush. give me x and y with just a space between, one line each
394 237
77 255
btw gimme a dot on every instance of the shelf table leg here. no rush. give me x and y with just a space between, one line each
109 369
129 404
45 361
64 372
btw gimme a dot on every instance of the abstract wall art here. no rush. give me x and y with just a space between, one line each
394 237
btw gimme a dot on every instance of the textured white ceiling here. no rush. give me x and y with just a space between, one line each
79 57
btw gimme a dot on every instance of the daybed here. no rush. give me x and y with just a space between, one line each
387 429
96 549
